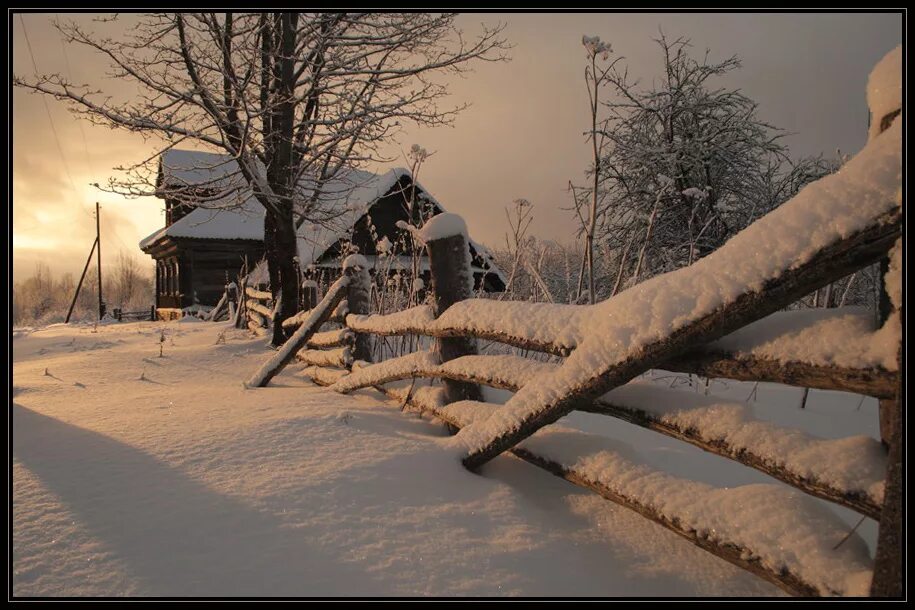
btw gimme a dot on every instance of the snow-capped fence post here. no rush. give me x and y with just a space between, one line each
884 304
359 301
452 281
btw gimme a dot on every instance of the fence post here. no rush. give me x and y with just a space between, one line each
152 313
888 568
231 301
359 301
452 281
309 294
241 316
888 562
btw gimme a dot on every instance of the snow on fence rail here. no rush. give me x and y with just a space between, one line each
715 318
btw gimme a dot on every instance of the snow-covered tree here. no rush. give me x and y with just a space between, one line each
687 163
291 97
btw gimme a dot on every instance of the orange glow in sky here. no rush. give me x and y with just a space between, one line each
522 136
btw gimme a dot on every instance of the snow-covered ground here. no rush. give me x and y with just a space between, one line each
140 475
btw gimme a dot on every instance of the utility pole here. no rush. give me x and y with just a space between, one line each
81 278
98 258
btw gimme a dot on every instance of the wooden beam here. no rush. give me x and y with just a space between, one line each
876 382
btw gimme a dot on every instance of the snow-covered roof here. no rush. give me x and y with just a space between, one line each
234 213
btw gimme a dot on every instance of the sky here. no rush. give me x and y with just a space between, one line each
522 137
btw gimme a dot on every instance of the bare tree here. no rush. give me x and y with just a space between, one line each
292 98
128 280
516 243
596 77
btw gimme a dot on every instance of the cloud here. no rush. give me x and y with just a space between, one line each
521 138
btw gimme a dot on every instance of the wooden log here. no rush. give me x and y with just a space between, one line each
256 318
254 305
341 357
878 382
261 295
256 328
452 281
216 311
325 376
332 338
359 301
287 352
412 321
416 364
420 320
836 260
541 326
502 371
506 338
295 321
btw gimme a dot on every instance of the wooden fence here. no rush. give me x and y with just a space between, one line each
140 315
340 358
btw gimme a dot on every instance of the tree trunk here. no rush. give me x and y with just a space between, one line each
284 279
279 236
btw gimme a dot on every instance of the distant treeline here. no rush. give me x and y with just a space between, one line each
44 298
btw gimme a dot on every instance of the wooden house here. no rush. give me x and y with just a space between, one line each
214 227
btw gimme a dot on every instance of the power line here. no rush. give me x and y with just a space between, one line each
82 132
47 109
